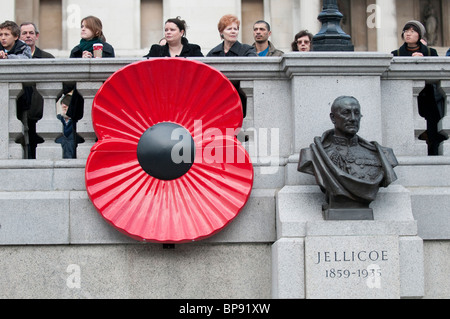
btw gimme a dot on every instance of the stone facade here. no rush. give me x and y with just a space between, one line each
133 26
54 244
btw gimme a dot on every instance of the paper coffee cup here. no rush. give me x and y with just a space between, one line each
98 50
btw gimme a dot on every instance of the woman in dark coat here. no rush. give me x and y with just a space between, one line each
229 31
429 100
413 34
177 44
91 33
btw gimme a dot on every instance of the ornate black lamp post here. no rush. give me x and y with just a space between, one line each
331 37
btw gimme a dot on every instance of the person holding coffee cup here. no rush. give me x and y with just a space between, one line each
93 42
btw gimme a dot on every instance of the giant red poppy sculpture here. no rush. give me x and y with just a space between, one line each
167 166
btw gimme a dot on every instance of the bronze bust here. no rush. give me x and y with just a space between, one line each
348 169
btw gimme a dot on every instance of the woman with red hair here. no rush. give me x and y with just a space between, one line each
229 31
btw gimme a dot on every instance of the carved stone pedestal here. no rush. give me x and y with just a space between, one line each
314 258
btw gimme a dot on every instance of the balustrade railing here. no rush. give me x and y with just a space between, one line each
291 94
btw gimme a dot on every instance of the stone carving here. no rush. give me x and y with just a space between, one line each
348 169
431 23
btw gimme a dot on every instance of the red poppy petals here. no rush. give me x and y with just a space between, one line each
205 199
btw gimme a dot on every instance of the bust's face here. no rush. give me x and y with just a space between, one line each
346 118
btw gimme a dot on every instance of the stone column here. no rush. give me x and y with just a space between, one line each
444 124
14 127
84 127
127 12
281 15
348 259
202 31
4 129
49 126
8 10
309 10
387 29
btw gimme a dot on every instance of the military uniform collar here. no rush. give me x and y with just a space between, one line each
343 141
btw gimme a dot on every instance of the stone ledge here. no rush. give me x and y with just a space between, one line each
68 217
299 214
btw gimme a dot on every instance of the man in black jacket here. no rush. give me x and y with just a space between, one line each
29 34
30 104
10 45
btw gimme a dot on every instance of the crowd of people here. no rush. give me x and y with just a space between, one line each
19 42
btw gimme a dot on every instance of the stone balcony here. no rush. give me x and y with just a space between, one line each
47 219
288 102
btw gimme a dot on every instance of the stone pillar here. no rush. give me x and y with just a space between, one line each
14 150
8 10
341 259
127 12
84 127
444 124
281 15
387 37
4 114
49 126
202 31
309 10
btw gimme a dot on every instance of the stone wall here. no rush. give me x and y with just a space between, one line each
51 237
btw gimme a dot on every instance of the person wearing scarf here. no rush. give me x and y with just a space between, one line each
413 33
91 33
430 101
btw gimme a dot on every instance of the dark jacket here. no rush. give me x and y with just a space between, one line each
40 54
76 107
20 50
272 50
238 49
189 50
448 52
108 51
430 101
426 51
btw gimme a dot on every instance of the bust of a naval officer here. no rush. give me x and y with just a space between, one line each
348 169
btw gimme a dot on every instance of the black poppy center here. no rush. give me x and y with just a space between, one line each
166 151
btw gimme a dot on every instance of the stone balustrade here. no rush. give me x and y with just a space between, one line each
44 203
291 94
288 104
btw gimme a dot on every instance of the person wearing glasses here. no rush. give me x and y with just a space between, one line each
302 42
413 32
430 101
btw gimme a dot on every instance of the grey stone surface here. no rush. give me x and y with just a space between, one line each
437 268
255 223
288 273
34 218
430 208
299 213
352 267
299 218
287 94
412 275
136 272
